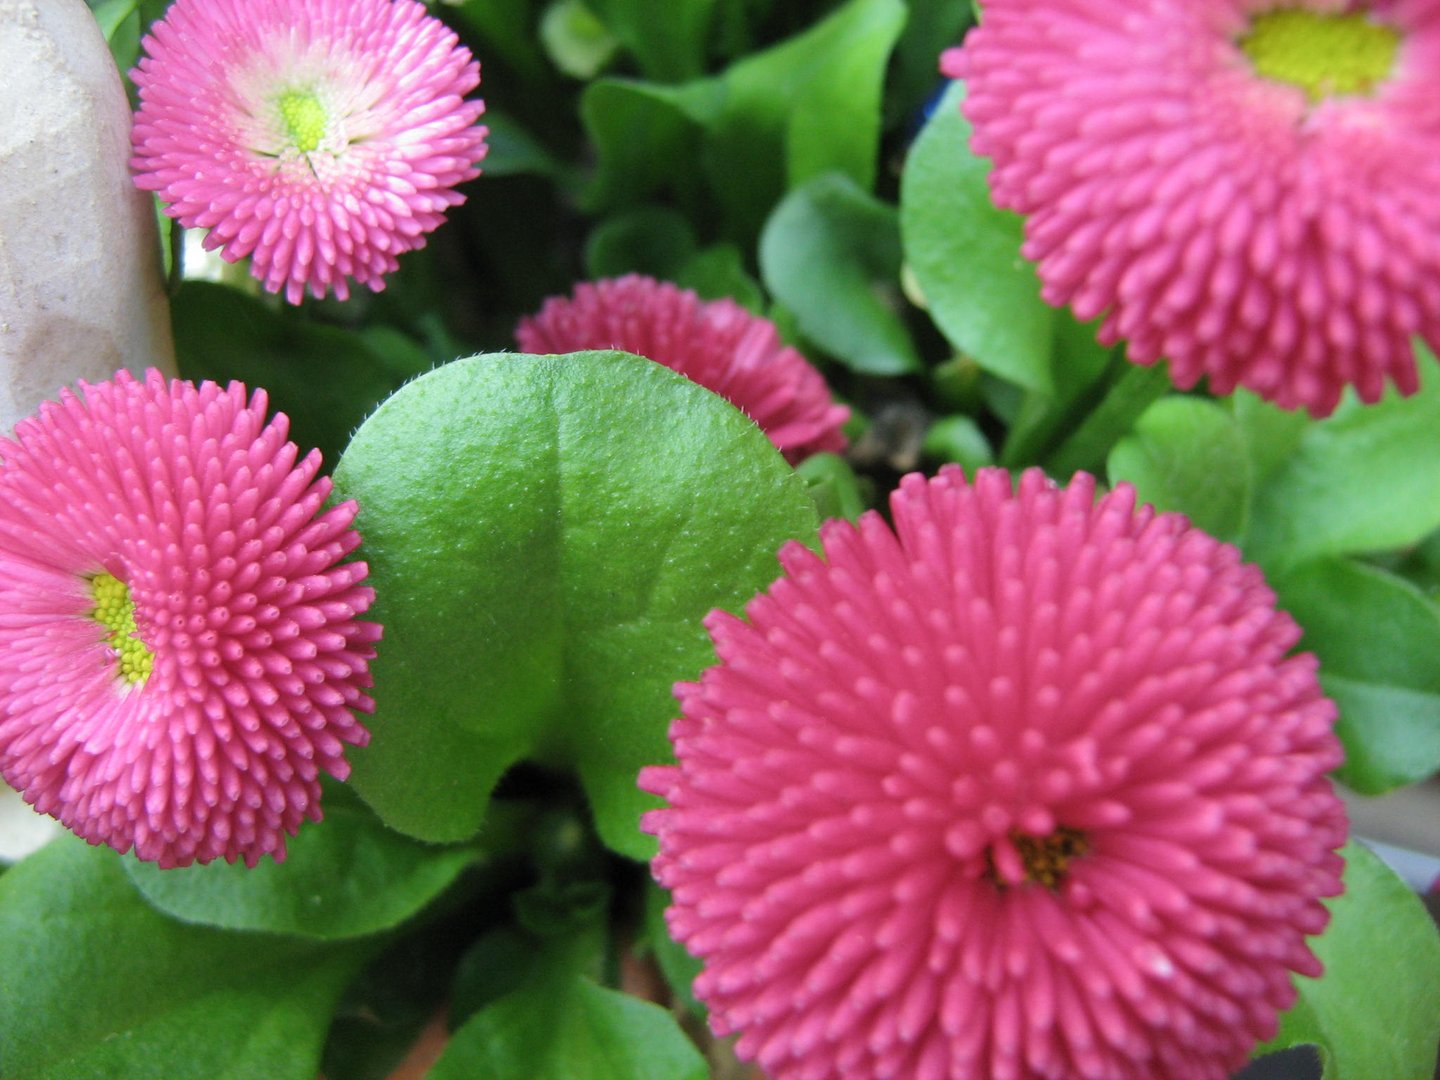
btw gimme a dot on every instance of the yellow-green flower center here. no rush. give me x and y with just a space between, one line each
1324 54
115 611
1046 858
304 118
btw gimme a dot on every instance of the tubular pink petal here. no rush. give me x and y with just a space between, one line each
161 686
1217 210
1014 865
270 122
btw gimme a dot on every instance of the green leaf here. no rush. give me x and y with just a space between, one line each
807 106
932 26
833 486
1376 1010
344 877
513 151
826 254
1125 399
1272 435
578 43
653 240
1187 454
544 536
1365 480
768 123
667 39
647 139
570 1030
111 13
1421 565
506 31
959 439
719 271
1377 637
1092 397
325 379
389 1004
501 961
98 985
965 253
554 909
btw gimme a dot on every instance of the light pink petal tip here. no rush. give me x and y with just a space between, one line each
1029 787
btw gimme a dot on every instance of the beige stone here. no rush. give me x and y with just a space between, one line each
81 289
81 293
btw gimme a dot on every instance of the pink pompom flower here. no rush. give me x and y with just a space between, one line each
322 138
1026 788
180 653
715 343
1244 188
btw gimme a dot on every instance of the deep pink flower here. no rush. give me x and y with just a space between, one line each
180 653
715 343
322 138
1027 788
1245 187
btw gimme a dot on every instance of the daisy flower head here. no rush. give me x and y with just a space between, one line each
715 343
1027 787
1243 187
321 138
180 649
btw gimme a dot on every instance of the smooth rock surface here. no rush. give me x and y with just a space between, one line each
81 291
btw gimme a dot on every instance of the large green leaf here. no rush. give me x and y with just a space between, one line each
1376 1010
1378 640
1365 480
344 877
965 253
570 1030
544 536
807 106
97 985
826 254
1187 454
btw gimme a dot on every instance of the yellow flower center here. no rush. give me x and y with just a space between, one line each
304 118
1324 54
1046 858
115 611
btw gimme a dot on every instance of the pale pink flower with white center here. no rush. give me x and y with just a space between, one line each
1028 787
321 138
1243 187
715 343
180 649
